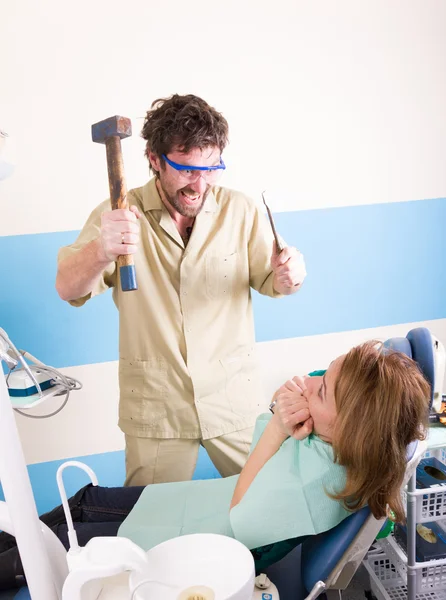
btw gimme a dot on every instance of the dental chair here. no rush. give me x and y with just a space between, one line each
330 559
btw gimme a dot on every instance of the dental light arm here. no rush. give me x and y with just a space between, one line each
5 345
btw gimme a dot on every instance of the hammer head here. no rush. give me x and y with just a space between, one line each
113 126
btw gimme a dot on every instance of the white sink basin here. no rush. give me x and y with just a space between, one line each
198 566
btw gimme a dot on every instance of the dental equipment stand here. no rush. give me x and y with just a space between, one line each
18 515
43 556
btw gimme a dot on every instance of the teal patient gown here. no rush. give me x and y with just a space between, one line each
287 499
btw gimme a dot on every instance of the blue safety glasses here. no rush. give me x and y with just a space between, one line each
192 173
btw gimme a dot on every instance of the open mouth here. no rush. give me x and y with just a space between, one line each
190 198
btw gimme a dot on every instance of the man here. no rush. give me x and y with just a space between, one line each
186 350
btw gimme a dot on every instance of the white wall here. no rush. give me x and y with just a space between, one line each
329 103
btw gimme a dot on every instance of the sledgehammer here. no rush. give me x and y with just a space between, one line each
110 132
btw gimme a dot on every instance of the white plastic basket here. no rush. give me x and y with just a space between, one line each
428 578
438 453
386 582
431 502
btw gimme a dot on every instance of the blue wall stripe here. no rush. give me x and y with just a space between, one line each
37 320
368 266
110 471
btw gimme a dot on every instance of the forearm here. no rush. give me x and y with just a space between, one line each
269 443
78 274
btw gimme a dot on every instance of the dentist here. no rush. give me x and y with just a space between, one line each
187 369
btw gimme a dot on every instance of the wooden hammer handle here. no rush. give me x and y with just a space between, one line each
118 197
116 178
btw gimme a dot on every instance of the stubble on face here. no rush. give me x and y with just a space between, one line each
184 209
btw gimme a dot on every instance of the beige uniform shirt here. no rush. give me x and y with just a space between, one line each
186 348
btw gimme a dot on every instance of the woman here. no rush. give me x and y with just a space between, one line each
336 442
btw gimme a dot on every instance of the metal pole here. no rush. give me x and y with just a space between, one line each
411 538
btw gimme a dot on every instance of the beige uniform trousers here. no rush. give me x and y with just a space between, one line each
153 460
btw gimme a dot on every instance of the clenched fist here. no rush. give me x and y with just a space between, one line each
119 232
289 269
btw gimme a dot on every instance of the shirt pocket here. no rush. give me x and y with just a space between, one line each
241 383
221 275
143 390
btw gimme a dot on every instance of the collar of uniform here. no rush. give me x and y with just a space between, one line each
152 200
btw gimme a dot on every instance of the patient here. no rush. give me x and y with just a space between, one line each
334 444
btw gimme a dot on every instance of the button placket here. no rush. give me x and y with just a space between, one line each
184 296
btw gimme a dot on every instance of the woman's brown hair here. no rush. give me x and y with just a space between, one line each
382 402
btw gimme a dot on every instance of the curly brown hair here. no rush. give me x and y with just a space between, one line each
183 122
382 401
